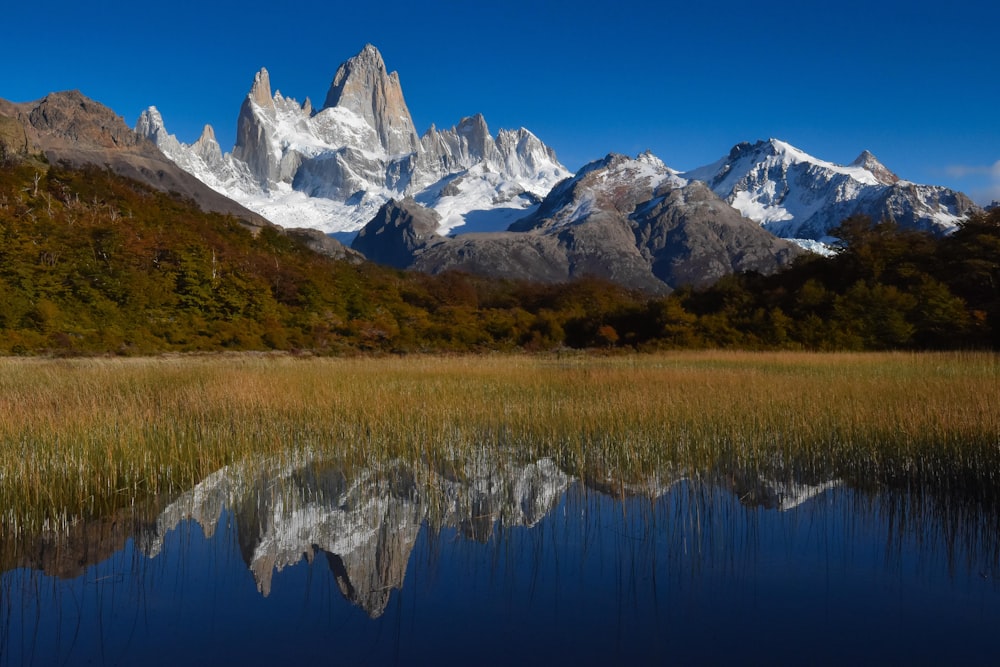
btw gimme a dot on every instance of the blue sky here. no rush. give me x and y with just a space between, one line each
914 82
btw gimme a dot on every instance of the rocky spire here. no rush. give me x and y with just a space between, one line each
207 147
150 124
253 138
260 91
476 133
363 86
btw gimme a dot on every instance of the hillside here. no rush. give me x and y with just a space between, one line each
95 263
92 262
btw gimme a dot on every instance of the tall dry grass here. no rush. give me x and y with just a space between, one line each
84 437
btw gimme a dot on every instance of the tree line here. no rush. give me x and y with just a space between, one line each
92 263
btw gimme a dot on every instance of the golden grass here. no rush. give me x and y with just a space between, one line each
83 437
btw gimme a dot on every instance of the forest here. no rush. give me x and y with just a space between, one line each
92 263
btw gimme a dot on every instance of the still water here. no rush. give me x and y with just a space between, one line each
494 565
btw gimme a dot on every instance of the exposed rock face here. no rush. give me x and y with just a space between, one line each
69 127
397 231
73 121
361 150
693 238
257 143
634 222
795 195
207 148
363 86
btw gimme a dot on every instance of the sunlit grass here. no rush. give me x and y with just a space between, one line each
84 437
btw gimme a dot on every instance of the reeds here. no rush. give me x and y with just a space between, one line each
85 437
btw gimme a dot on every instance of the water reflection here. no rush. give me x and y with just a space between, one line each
760 568
364 525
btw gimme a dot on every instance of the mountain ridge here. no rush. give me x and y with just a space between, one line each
795 195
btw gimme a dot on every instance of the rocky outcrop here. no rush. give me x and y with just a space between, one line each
72 121
691 237
398 231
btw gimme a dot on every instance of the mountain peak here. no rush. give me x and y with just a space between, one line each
70 118
870 163
796 195
363 86
150 124
260 91
207 134
371 54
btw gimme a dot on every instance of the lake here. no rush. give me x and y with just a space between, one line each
499 562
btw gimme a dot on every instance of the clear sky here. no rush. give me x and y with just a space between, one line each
915 82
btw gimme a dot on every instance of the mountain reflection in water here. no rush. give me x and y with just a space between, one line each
551 567
365 525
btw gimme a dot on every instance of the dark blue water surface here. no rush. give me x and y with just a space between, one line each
524 573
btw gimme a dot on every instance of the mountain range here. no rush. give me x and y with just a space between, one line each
462 198
333 168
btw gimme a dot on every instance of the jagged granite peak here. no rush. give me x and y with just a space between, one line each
253 136
203 159
260 90
795 195
333 169
150 125
363 85
476 133
871 163
207 148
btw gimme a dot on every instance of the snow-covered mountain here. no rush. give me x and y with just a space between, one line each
333 169
795 195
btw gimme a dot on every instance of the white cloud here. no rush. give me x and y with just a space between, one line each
983 180
965 170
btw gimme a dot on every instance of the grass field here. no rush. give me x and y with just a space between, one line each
79 438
